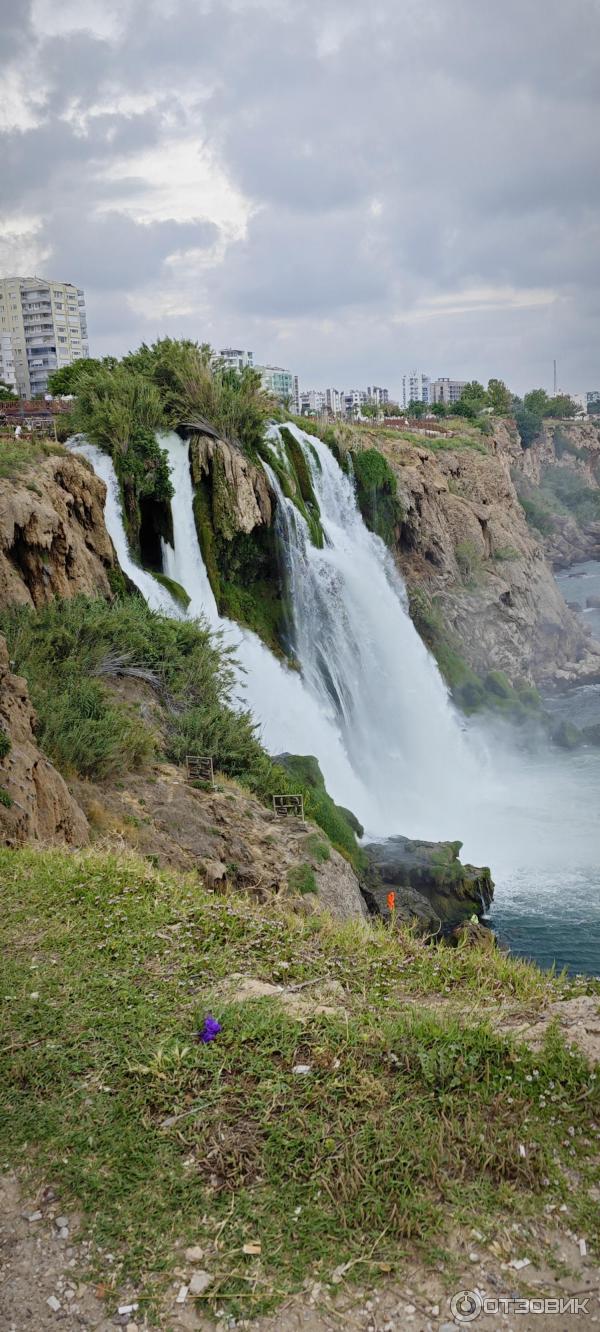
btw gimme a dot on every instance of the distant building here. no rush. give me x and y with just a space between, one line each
235 359
8 374
378 396
333 401
592 402
415 388
446 390
47 325
281 383
313 402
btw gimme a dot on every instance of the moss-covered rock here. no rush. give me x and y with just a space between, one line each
376 493
178 592
340 824
455 892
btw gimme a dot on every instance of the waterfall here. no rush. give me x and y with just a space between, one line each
289 717
157 597
360 654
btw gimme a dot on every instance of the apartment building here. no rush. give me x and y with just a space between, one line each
281 383
47 325
378 396
7 362
236 359
415 388
313 402
446 390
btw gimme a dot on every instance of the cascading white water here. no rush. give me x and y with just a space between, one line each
157 597
289 718
360 653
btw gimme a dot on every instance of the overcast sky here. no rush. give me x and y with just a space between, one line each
350 189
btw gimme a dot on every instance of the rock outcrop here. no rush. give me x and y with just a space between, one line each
53 539
573 449
428 883
465 541
240 493
35 803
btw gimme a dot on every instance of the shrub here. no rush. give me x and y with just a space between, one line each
301 879
5 745
376 493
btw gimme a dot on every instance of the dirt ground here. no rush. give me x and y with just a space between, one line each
44 1287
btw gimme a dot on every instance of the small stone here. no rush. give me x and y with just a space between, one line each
69 1294
301 1070
194 1254
520 1263
53 1303
473 1257
200 1283
582 1248
182 1295
63 1233
34 1216
127 1308
60 1222
131 1327
410 1309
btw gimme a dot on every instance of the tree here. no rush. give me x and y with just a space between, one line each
393 409
529 423
439 409
562 406
499 397
6 393
537 401
416 408
472 400
63 382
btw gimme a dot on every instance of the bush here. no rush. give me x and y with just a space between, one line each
376 493
5 745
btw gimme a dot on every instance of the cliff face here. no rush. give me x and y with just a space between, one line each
53 541
464 539
39 806
560 474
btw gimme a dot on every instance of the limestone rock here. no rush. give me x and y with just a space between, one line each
53 539
428 880
41 808
240 488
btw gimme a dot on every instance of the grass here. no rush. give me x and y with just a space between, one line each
110 969
17 456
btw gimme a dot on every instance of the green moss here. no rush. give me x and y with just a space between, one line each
5 798
301 879
376 493
317 849
303 495
5 745
178 592
117 582
301 774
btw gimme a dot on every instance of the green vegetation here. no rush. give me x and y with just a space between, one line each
376 492
5 798
469 561
386 1143
19 455
70 651
470 692
301 879
178 592
5 744
561 491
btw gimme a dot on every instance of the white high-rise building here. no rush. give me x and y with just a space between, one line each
47 326
312 402
378 396
236 359
415 388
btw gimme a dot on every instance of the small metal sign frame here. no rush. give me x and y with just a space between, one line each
287 806
200 769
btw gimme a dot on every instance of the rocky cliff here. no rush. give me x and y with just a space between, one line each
35 802
464 541
558 479
53 540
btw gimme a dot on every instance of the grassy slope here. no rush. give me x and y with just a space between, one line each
110 970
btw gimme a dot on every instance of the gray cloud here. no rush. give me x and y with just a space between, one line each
393 158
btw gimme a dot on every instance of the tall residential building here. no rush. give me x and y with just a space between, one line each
281 383
446 390
235 359
334 401
7 362
592 402
312 402
47 324
415 388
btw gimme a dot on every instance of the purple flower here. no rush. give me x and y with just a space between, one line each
210 1030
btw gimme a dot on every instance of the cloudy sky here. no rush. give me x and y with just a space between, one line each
350 189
